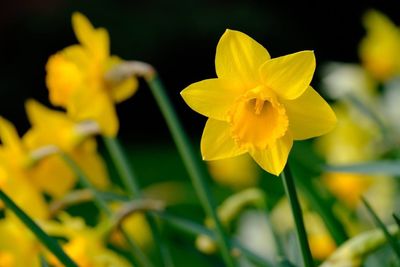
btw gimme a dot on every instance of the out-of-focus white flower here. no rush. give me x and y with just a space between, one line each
341 79
255 233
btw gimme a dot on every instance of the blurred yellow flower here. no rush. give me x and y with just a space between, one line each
380 48
85 245
76 78
15 167
321 243
238 172
55 128
258 105
137 227
18 246
349 187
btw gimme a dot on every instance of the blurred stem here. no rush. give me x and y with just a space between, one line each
46 240
102 205
191 162
43 262
291 194
130 182
197 229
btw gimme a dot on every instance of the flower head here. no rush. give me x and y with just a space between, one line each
380 48
76 77
258 105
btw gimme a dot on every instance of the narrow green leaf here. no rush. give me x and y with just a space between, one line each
391 167
391 240
50 243
291 194
191 162
322 205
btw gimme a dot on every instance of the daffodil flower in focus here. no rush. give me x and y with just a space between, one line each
258 105
76 77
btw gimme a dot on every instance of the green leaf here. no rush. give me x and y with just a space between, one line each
50 243
304 170
390 167
391 240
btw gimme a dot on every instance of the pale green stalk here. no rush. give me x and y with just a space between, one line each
291 194
130 182
191 162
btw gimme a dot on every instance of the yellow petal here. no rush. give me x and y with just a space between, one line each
63 76
124 90
96 106
91 163
217 142
53 176
238 58
289 76
212 98
309 115
96 40
274 158
9 135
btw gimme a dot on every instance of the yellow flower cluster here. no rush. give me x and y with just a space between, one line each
32 169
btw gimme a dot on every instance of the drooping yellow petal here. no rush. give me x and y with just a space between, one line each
96 106
289 76
124 90
212 98
49 127
53 176
274 158
238 59
309 115
95 40
89 160
217 142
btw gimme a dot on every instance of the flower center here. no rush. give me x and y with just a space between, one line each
257 120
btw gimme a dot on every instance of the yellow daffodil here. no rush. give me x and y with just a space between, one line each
85 245
76 78
18 246
15 170
380 49
55 128
258 105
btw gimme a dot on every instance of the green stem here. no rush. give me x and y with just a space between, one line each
102 205
191 162
291 194
129 180
46 240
